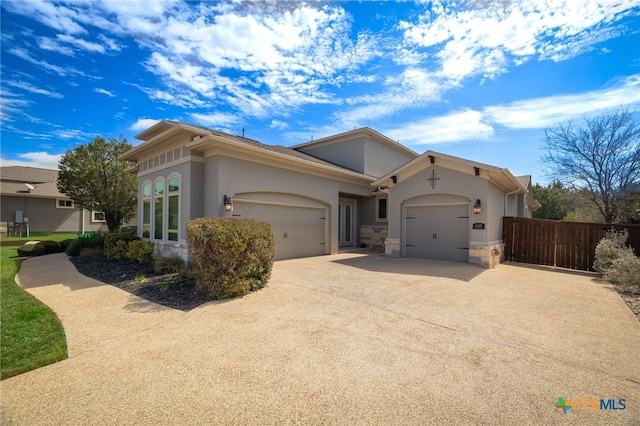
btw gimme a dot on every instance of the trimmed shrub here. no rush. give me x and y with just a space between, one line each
116 244
140 251
616 261
171 265
91 239
66 243
230 257
50 247
30 250
74 248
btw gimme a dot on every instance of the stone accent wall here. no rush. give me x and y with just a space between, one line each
162 249
374 235
392 247
488 256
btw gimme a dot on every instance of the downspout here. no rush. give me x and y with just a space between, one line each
505 200
82 221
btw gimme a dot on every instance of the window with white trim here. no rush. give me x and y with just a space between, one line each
158 209
146 210
97 216
173 207
64 204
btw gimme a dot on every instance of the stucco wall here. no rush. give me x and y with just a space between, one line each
349 154
231 176
380 159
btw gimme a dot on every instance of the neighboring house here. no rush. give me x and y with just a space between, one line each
30 196
341 191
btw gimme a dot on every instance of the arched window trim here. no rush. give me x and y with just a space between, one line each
148 198
163 212
177 193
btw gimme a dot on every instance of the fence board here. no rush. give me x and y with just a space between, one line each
555 243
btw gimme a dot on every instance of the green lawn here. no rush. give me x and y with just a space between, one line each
31 334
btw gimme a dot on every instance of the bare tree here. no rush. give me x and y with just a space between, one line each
602 158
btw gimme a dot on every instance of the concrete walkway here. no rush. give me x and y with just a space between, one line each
346 339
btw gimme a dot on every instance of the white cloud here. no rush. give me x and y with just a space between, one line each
104 92
143 124
547 111
35 159
33 89
70 134
455 127
277 124
61 71
59 17
486 37
216 119
82 44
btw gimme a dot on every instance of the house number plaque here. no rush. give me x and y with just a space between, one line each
478 226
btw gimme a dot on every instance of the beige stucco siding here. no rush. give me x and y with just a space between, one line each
232 176
349 154
452 186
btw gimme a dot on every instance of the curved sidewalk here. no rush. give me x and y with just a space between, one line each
344 339
93 313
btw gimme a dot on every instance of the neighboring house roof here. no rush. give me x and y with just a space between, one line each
201 138
13 179
525 181
363 131
499 176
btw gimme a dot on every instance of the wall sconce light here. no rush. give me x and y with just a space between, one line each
477 208
228 203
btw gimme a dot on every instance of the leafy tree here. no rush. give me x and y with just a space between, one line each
95 178
554 199
602 157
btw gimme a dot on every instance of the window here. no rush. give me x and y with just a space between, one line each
174 208
381 209
158 210
64 204
146 210
97 216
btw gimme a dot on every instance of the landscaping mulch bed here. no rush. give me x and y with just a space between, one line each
631 298
167 290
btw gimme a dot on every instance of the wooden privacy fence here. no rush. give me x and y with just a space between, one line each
555 243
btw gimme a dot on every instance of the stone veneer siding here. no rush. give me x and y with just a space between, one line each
374 235
162 249
488 256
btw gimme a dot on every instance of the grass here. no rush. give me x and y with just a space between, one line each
31 334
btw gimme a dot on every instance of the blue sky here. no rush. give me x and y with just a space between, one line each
475 79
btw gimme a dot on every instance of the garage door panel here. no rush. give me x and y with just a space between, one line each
437 232
297 231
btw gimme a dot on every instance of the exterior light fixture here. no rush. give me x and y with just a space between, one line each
477 208
228 203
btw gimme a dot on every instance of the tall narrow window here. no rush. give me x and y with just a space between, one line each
158 209
174 198
381 209
146 210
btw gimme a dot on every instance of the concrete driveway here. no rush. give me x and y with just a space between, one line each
353 338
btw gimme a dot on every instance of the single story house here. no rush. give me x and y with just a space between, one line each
29 197
353 188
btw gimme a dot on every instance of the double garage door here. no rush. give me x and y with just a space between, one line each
297 231
437 232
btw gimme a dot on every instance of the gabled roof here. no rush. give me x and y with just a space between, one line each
363 131
13 179
202 137
499 176
525 181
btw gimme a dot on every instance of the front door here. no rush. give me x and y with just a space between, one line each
346 225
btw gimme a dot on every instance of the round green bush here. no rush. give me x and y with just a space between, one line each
30 250
65 243
50 246
73 249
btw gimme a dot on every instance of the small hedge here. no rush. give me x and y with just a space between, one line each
230 257
50 247
74 248
140 251
29 250
91 239
64 244
616 261
116 244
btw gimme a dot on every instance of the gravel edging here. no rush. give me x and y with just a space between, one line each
166 290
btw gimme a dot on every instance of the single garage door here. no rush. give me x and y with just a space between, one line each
437 232
297 231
